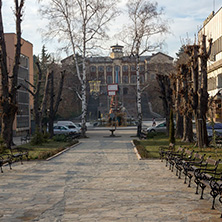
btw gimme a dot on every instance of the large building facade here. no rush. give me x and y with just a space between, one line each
212 28
22 123
120 70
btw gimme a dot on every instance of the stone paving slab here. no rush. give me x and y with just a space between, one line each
99 180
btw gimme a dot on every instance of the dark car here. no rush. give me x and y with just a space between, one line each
217 128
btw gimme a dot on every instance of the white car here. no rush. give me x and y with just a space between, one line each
161 127
69 124
64 130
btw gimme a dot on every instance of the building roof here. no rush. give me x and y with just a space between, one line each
107 59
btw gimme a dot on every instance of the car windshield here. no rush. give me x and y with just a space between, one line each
71 127
161 125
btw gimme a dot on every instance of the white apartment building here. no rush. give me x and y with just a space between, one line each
212 28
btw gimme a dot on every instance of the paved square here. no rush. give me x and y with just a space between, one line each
101 179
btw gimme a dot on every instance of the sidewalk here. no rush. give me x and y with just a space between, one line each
99 180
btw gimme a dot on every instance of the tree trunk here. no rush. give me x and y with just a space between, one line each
84 102
179 125
51 105
179 118
44 100
166 96
54 106
188 128
36 107
139 108
9 84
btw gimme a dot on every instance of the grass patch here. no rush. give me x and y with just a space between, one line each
46 150
149 148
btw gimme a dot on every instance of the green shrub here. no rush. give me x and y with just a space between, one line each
37 139
46 136
60 138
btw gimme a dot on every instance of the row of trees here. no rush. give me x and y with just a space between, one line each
186 92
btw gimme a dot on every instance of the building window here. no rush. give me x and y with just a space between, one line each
109 79
101 69
23 73
23 116
125 68
109 69
133 79
133 68
125 79
92 68
24 61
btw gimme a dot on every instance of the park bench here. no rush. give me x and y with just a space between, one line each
216 187
18 153
171 157
25 139
204 177
190 166
186 156
4 160
164 150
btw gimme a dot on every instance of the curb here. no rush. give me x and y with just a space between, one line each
136 151
63 151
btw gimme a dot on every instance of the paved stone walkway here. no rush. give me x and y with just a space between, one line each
99 180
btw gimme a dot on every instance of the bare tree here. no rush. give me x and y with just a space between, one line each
39 106
10 82
145 23
185 105
183 100
80 24
165 91
198 56
54 104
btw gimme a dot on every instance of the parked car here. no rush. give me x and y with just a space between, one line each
69 124
64 130
161 127
217 128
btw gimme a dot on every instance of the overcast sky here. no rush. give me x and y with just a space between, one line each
186 17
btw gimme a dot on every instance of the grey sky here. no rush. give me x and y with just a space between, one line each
186 17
